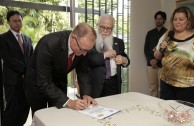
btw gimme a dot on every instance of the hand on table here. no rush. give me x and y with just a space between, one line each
89 100
77 104
80 104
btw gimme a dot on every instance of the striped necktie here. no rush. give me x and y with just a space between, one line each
20 42
107 64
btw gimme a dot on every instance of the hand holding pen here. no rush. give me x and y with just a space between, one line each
77 104
88 100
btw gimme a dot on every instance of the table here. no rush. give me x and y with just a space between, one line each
136 110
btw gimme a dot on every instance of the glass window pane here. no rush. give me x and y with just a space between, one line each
48 2
37 23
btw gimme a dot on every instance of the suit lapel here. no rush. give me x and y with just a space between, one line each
116 46
12 38
75 61
117 49
64 43
14 41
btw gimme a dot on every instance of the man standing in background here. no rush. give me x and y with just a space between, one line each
154 65
15 51
107 59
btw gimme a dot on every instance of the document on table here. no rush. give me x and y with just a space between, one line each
99 112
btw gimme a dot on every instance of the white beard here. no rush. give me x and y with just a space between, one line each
107 41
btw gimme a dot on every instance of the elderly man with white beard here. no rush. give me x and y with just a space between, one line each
106 60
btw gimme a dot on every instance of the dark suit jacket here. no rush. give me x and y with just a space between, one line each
1 90
46 76
14 61
98 70
151 42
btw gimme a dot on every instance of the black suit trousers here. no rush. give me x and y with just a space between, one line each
110 87
17 109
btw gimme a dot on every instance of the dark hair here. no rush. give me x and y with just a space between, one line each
163 14
11 13
188 14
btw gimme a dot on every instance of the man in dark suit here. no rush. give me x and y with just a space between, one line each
153 65
15 51
107 59
46 75
1 99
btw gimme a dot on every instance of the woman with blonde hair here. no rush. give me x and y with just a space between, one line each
176 50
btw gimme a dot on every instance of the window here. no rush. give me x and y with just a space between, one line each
45 16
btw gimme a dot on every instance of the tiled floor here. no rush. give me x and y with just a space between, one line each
71 94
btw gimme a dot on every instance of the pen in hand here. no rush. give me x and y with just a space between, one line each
78 96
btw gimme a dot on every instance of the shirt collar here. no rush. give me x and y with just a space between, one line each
15 33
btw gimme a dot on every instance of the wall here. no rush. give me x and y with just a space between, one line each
142 20
168 9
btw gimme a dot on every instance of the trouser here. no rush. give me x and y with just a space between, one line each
110 87
169 92
153 81
16 110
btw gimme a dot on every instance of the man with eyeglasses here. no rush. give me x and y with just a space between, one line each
46 75
107 59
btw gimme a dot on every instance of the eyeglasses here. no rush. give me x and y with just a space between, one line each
81 49
107 28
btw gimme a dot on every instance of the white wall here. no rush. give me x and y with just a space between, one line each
168 6
142 20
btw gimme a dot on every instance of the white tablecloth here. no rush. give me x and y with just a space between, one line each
136 110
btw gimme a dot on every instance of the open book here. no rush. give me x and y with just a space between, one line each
99 112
